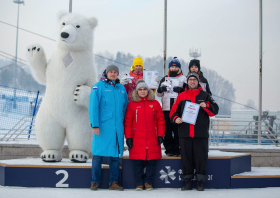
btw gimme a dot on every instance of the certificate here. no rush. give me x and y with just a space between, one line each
203 85
151 78
190 113
174 83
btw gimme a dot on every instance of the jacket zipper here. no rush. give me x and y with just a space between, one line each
154 115
136 115
146 130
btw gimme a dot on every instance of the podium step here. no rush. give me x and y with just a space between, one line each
224 170
258 177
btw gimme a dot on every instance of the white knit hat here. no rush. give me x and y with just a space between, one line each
141 83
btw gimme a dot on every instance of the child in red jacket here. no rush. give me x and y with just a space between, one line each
144 128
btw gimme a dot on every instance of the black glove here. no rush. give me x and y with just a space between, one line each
159 140
129 142
178 89
162 89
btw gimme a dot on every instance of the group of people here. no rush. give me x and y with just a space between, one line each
119 108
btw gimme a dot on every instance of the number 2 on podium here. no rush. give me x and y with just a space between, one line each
60 183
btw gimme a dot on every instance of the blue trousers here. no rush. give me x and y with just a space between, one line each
139 175
96 169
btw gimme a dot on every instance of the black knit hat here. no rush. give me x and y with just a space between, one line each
194 62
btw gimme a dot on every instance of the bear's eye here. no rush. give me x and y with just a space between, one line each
77 26
63 23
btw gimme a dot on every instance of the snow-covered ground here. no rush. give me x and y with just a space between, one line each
20 192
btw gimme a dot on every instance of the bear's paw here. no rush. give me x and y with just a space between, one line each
36 54
51 156
78 156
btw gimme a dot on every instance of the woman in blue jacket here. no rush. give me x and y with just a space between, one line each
107 107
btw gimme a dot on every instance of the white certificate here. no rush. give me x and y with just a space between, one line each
203 85
150 78
190 112
174 83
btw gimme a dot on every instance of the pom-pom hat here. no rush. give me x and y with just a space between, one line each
175 62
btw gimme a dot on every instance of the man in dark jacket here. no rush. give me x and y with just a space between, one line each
193 139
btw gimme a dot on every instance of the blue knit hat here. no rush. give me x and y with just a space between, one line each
175 62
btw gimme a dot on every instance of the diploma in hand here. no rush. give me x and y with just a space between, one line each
190 113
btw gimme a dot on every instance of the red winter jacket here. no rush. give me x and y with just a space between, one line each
201 127
144 122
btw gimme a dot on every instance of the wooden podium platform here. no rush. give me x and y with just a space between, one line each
223 169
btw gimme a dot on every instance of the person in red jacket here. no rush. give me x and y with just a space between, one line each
193 138
144 128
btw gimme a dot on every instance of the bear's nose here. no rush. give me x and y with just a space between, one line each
64 35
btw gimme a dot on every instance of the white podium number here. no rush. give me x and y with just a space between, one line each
60 183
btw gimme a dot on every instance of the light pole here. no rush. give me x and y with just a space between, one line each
70 6
15 71
164 37
260 75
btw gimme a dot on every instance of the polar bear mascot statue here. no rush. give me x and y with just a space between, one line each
68 77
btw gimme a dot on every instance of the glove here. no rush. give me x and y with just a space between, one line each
124 82
129 142
162 89
178 89
159 140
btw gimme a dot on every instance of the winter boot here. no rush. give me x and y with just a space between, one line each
148 186
94 186
139 188
200 186
115 186
187 186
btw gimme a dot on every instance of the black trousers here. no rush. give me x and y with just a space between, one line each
170 142
194 154
139 175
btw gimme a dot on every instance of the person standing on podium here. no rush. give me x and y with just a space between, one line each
144 127
193 138
107 107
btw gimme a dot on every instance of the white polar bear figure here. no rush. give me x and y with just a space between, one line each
68 76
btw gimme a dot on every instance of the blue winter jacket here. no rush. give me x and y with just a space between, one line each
107 107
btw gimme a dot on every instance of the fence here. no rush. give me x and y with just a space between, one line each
18 109
240 131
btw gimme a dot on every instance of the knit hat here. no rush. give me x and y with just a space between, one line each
193 74
137 61
175 62
111 67
141 83
194 62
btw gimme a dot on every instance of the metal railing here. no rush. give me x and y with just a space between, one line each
22 130
223 131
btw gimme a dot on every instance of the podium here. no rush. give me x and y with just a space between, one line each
224 170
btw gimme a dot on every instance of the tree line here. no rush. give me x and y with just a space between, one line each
220 87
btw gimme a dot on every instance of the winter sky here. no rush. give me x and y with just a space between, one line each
226 31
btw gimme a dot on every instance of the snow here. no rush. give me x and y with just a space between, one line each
16 192
67 162
262 171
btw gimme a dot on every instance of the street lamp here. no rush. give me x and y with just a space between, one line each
15 67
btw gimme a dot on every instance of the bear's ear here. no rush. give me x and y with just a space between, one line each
92 22
61 14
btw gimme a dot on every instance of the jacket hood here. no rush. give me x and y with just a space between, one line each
135 97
